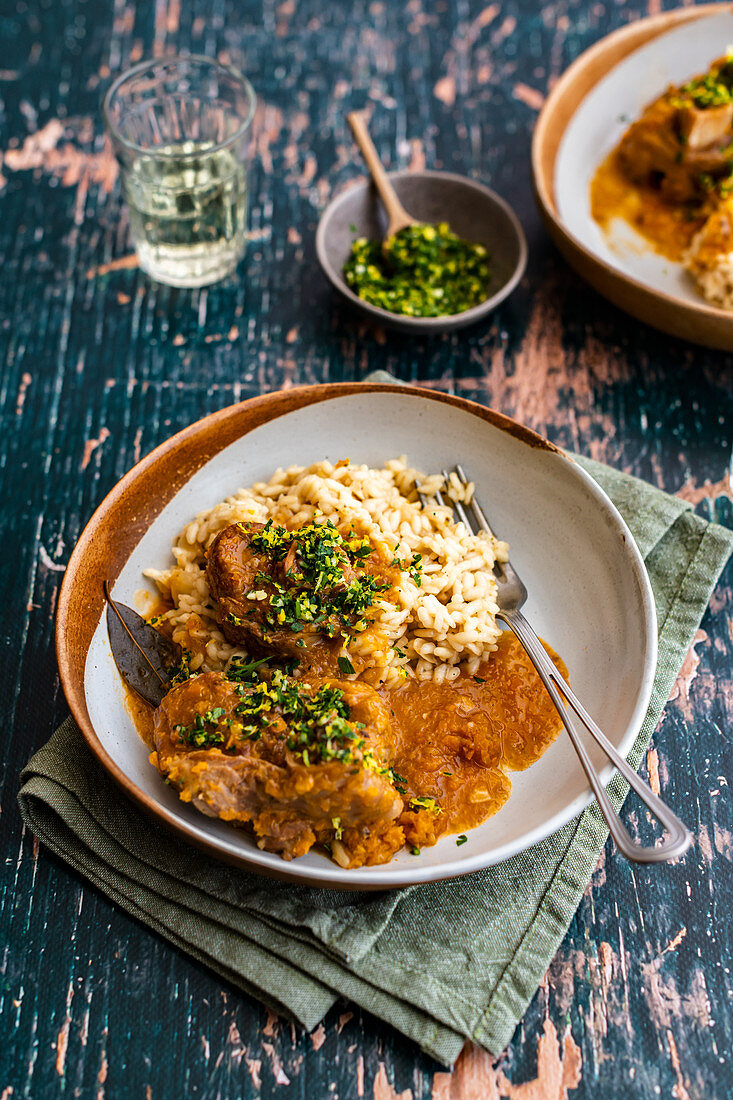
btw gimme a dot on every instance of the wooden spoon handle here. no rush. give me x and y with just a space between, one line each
396 213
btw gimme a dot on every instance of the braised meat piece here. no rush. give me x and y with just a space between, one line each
280 591
656 150
682 143
303 762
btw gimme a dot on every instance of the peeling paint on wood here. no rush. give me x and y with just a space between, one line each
99 365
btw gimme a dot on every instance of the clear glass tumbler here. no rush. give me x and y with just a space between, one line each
181 128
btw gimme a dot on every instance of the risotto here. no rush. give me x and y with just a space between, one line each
440 614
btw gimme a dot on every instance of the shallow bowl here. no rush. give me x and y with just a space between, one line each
589 594
473 211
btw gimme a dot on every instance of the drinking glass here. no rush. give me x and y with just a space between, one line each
180 127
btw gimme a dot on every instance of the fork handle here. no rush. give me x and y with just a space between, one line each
680 837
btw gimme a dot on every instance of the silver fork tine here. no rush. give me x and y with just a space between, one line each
503 570
458 506
438 498
511 595
424 502
475 507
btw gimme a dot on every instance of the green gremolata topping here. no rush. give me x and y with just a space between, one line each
422 271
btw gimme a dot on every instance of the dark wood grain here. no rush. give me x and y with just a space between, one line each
99 365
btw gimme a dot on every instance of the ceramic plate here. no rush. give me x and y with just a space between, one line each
584 118
589 593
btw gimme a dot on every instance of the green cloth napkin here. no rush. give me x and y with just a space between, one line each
442 963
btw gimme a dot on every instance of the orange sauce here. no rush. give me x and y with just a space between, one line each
457 740
141 714
667 227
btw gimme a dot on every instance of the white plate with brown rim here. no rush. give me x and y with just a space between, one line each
586 114
589 594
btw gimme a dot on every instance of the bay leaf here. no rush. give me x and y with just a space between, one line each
144 657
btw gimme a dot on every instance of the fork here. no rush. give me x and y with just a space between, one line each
511 597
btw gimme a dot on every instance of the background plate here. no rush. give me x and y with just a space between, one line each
588 110
600 122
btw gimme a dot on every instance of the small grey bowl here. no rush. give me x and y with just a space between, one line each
473 211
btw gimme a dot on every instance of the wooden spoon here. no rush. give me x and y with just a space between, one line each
398 216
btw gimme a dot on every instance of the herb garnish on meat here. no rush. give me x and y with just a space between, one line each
424 802
320 585
713 89
205 731
316 724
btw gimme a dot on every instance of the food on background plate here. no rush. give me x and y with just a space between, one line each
710 256
344 680
671 178
421 271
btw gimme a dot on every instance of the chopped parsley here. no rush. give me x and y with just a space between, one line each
244 673
422 271
461 840
205 732
320 723
181 672
345 665
713 89
413 567
317 726
424 802
415 851
319 586
398 781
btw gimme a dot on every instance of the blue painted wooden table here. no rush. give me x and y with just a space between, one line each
99 365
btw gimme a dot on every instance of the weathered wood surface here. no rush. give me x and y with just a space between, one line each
100 365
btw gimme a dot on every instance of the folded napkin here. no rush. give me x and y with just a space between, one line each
442 963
